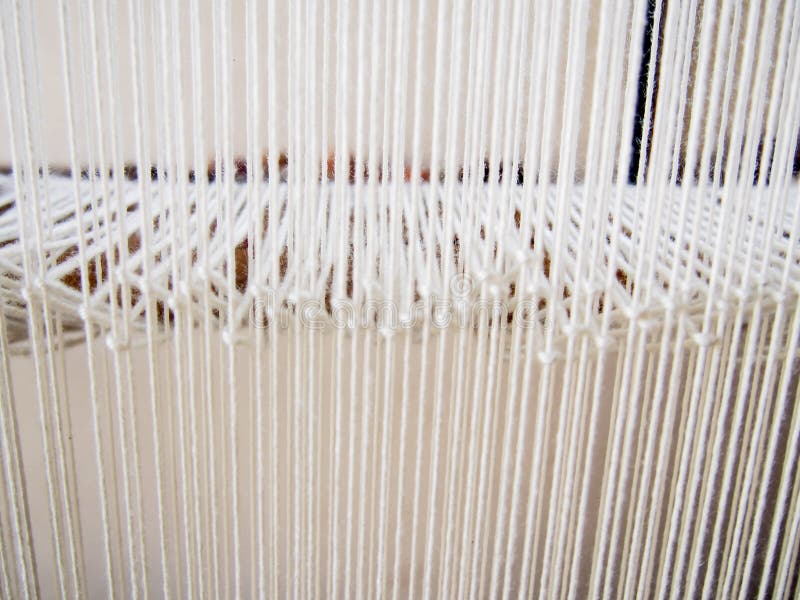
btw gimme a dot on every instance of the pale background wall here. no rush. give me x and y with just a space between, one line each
54 112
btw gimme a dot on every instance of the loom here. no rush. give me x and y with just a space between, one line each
376 299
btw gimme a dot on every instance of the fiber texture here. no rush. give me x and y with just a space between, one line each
397 299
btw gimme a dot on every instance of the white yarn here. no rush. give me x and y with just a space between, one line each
384 314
